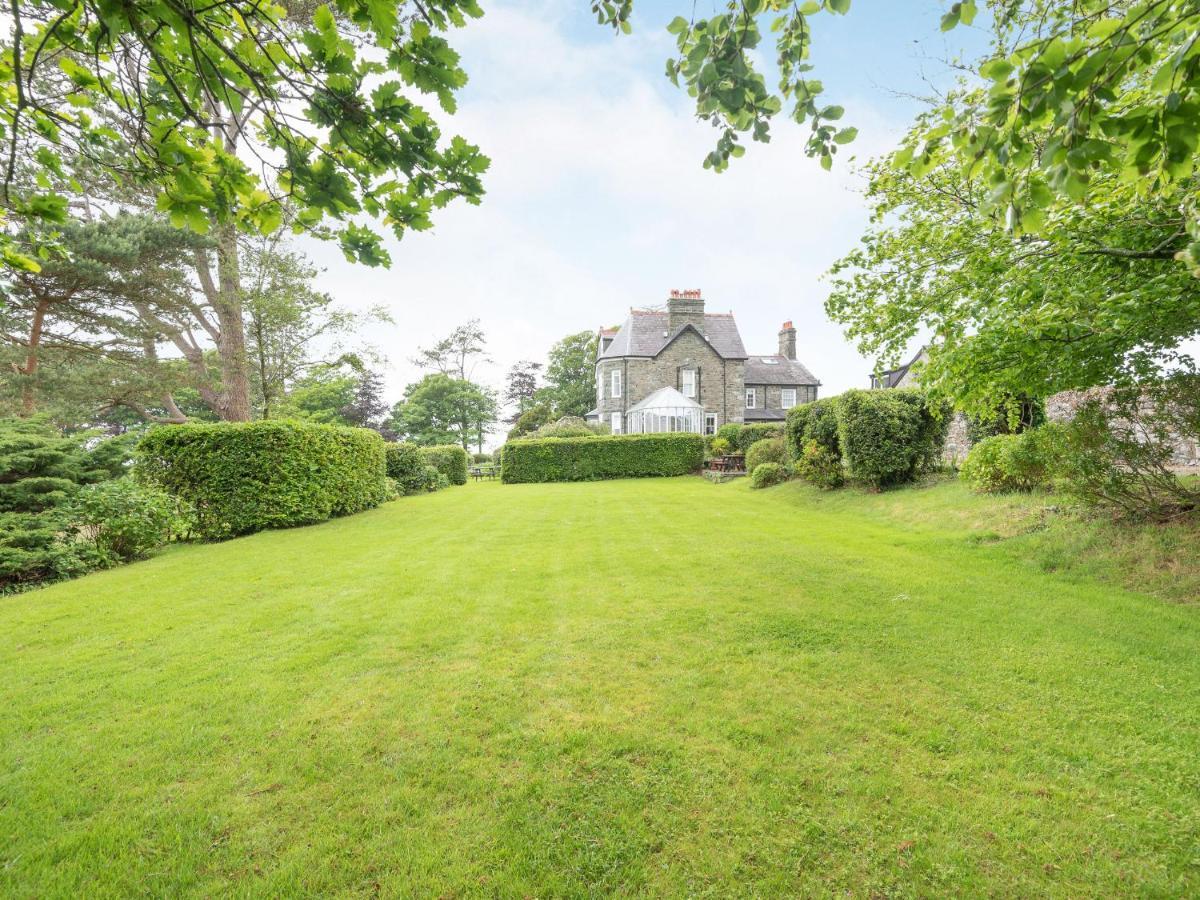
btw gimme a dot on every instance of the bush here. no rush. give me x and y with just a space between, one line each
880 434
481 458
1013 462
767 474
1119 451
124 520
449 459
933 425
40 472
247 476
809 422
719 446
820 466
741 437
406 466
567 426
765 451
593 458
431 479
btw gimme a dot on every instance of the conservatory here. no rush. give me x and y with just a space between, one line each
665 410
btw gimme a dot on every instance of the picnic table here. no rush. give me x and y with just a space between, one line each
728 463
482 471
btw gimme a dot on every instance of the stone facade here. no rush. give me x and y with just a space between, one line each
659 349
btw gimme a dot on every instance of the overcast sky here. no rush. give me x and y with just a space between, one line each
597 200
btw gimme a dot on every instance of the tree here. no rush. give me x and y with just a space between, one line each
291 327
1091 300
571 375
453 355
321 395
521 389
230 107
368 407
440 409
79 312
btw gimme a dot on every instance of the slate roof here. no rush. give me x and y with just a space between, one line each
645 334
764 415
893 377
780 371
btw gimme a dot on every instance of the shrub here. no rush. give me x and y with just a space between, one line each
40 472
764 451
719 446
449 459
820 466
1119 451
740 437
888 436
816 421
767 474
1012 462
248 476
592 458
124 520
406 466
567 426
481 458
933 425
431 479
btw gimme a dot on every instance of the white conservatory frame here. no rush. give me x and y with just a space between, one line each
665 410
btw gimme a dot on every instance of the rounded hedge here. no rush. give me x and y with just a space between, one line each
1013 462
248 476
767 474
765 451
600 457
449 459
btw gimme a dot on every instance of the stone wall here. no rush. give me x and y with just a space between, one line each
1062 407
958 442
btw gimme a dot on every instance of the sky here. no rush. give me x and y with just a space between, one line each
597 200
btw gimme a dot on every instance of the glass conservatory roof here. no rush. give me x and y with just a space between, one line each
665 398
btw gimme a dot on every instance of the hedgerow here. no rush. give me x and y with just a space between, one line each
249 476
449 459
601 457
741 437
406 466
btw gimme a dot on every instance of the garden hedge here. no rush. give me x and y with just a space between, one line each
406 466
449 459
248 476
740 436
600 457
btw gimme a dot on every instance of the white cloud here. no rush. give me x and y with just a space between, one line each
597 201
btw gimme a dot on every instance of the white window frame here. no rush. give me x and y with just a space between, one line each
710 417
783 397
751 398
689 383
617 423
614 382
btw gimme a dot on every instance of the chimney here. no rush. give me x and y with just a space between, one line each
787 340
685 308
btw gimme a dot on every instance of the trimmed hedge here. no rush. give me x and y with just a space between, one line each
879 437
406 466
249 476
600 457
449 459
741 437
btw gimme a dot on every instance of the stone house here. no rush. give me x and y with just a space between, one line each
685 369
907 375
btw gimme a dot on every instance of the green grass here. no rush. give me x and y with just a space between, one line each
643 687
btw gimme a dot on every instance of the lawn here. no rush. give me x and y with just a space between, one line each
659 687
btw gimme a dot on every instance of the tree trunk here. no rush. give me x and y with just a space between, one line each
28 397
235 381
